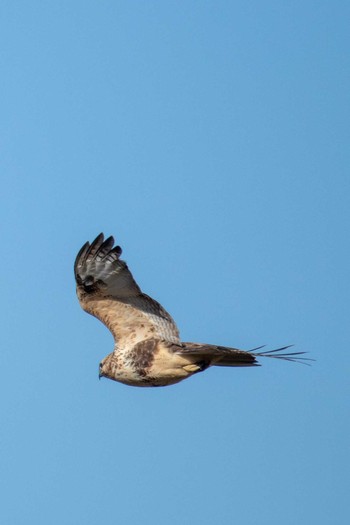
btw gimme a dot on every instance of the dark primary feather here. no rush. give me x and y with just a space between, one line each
81 255
94 248
104 248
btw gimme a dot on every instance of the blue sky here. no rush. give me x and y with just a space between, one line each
211 139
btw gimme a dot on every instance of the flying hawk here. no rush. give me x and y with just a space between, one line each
148 350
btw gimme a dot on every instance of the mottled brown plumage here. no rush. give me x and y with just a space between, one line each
148 350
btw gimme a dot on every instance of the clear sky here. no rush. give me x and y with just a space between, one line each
212 140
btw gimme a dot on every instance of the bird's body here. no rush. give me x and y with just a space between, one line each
148 350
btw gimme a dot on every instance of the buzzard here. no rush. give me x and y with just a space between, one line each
148 350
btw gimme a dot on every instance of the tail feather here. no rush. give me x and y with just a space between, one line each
286 356
213 355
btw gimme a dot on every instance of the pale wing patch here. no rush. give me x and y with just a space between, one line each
130 323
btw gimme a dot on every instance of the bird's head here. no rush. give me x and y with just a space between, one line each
106 367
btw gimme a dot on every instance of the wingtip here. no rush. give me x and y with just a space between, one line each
99 249
80 254
99 239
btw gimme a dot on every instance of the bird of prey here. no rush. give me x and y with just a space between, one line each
148 350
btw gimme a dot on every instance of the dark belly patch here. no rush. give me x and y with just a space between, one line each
142 356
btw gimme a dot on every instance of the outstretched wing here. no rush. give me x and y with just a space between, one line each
107 290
